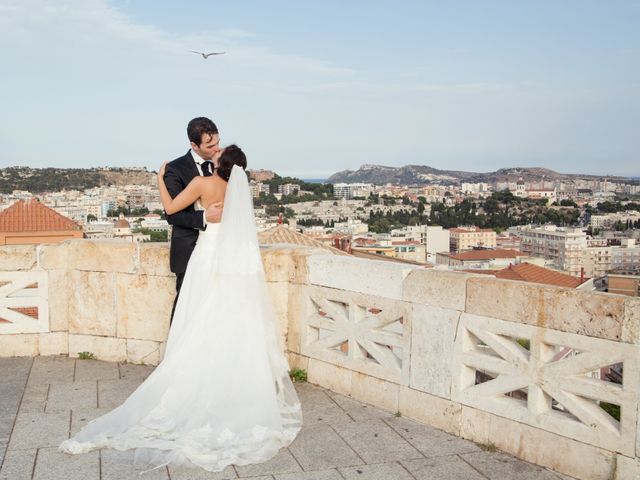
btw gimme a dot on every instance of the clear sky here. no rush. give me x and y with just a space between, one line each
311 88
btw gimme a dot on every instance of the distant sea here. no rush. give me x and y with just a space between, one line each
314 180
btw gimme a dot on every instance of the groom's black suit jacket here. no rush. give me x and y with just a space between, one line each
187 222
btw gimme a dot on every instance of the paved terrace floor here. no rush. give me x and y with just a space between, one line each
45 399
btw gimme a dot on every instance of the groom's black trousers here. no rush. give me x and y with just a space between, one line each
179 279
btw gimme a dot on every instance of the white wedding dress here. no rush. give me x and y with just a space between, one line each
222 394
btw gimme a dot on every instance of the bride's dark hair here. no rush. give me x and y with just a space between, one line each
231 156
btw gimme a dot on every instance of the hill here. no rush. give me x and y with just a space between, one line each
422 174
40 180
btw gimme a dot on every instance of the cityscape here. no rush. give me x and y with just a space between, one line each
584 227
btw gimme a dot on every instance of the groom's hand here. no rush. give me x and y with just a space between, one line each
214 212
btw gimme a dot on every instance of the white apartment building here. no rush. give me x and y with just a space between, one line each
434 238
474 187
350 190
610 219
597 257
626 257
155 224
571 250
467 238
289 189
351 227
256 188
565 247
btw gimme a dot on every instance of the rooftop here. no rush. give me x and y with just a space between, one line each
32 216
45 399
281 234
527 272
486 254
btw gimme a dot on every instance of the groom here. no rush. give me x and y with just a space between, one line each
205 146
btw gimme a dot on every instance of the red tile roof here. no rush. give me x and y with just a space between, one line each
486 254
527 272
33 216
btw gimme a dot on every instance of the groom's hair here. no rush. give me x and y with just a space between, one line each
232 155
199 127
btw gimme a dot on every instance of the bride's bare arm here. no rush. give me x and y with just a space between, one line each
186 197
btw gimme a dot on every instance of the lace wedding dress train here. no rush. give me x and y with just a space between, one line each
222 394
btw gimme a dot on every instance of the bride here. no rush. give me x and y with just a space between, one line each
222 394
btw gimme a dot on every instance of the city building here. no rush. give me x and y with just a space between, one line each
466 238
256 188
434 238
351 227
564 247
289 189
409 250
609 220
351 190
625 258
481 259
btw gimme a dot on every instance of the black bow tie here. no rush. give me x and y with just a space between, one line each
206 168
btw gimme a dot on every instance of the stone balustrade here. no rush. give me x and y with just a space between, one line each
511 365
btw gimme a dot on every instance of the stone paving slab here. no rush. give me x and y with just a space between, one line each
15 369
129 371
196 473
319 447
47 370
112 393
18 464
35 430
358 411
65 396
283 462
54 465
430 441
318 407
449 467
34 399
115 465
498 466
92 370
49 398
381 471
80 417
375 442
316 475
6 426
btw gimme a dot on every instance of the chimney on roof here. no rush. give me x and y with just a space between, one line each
510 266
581 275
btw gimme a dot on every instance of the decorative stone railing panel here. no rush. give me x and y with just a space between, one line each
549 373
24 306
361 332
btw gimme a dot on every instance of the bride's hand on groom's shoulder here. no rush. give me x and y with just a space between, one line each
163 168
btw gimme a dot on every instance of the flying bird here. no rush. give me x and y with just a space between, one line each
207 55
